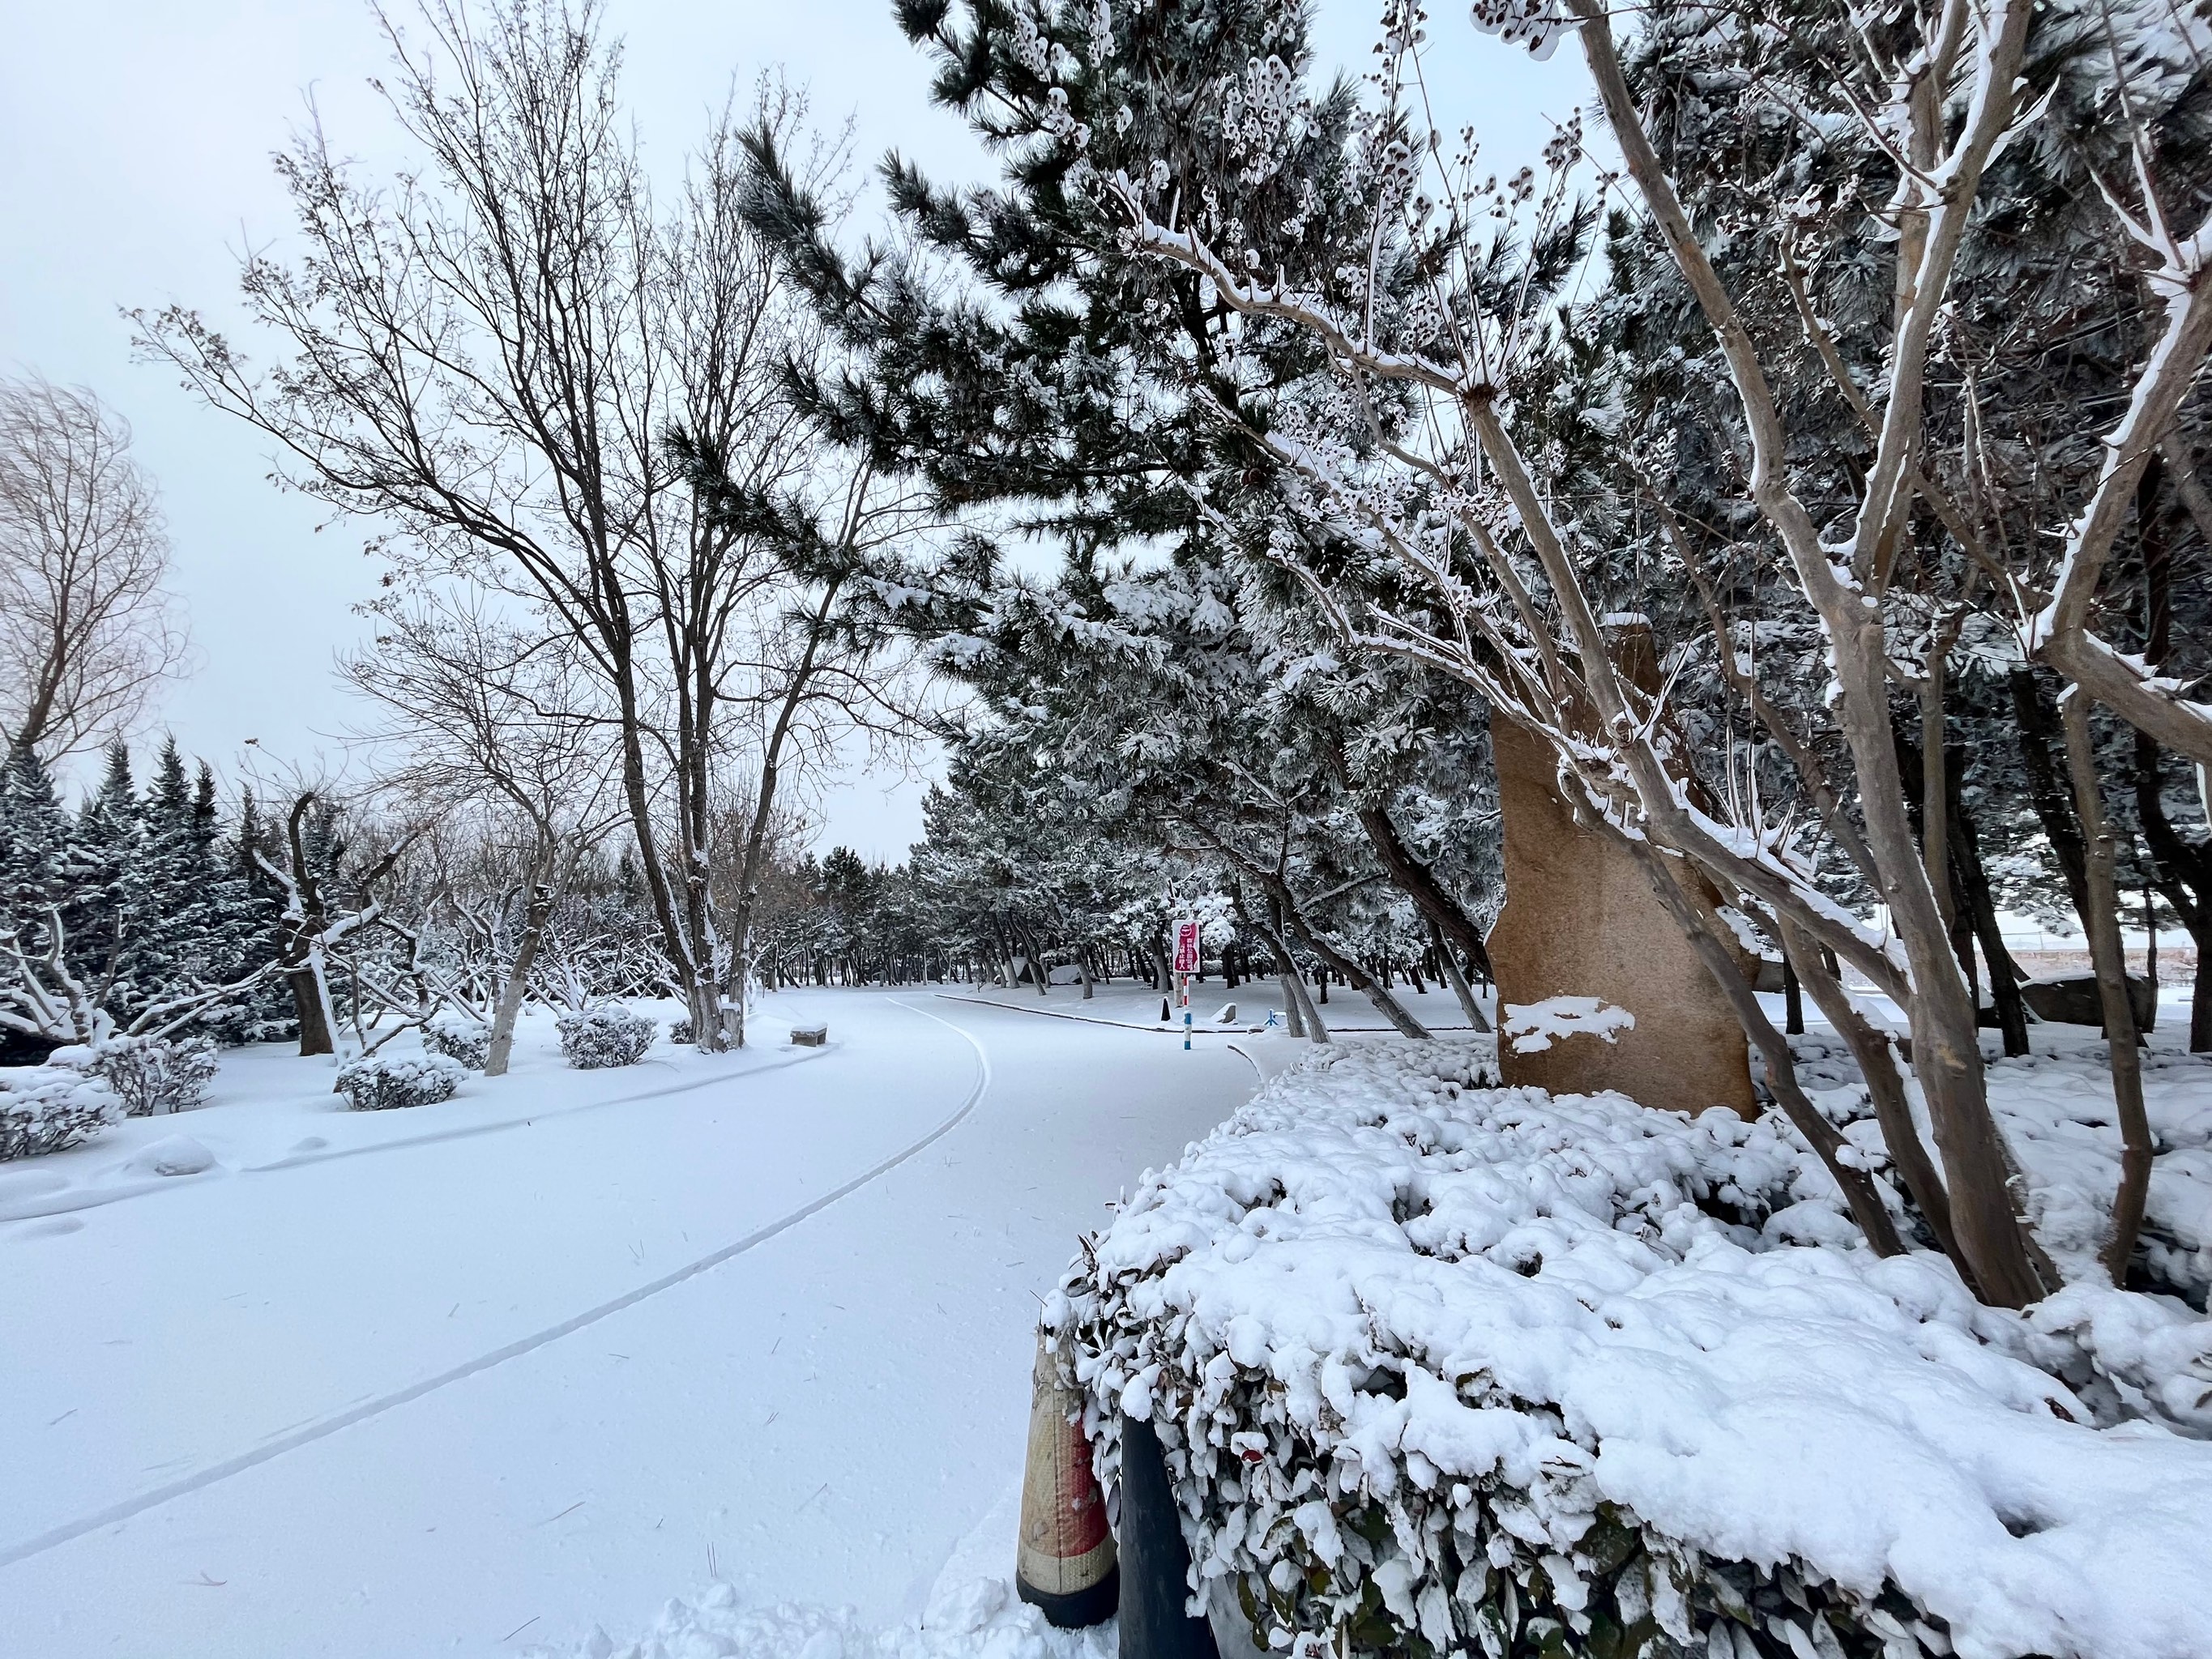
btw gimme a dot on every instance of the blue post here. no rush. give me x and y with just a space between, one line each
1185 1027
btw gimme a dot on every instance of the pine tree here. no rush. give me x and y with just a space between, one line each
108 907
37 845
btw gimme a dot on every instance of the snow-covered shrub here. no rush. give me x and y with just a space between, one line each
44 1109
680 1031
380 1082
153 1075
606 1037
1440 1367
465 1041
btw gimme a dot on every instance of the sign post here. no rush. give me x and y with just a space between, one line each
1187 962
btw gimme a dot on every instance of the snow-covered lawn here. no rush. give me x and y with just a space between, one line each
487 1374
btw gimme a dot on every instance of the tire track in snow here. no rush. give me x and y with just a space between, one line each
323 1428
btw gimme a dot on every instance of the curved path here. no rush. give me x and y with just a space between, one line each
480 1393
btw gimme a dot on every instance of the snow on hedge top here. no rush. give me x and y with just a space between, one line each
1727 1365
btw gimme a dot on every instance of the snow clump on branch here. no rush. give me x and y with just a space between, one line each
1535 24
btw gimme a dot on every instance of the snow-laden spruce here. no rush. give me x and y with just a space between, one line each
44 1109
1447 1367
383 1083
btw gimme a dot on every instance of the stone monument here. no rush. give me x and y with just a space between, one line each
1580 920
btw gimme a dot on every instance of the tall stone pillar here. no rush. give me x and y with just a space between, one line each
1580 920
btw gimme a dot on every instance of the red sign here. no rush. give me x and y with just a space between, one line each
1185 947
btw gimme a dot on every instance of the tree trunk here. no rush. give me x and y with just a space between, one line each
1971 878
2121 1039
311 1002
2184 878
2035 728
1357 977
1414 878
1457 980
1884 1088
537 908
1297 1007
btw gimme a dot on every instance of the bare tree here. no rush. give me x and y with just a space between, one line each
500 726
489 353
314 921
820 674
86 629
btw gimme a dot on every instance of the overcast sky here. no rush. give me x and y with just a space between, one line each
135 138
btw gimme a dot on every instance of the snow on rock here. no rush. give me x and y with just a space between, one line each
1402 1328
1532 1027
178 1155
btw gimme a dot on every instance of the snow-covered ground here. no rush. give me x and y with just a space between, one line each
486 1375
495 1375
1127 1002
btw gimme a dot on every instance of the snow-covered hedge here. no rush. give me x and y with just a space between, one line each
151 1075
605 1036
44 1109
1447 1368
382 1083
680 1031
467 1041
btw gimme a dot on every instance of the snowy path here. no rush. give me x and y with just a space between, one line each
467 1393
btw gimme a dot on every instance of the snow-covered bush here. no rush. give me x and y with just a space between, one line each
465 1041
680 1031
152 1075
44 1109
380 1082
606 1037
1440 1367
